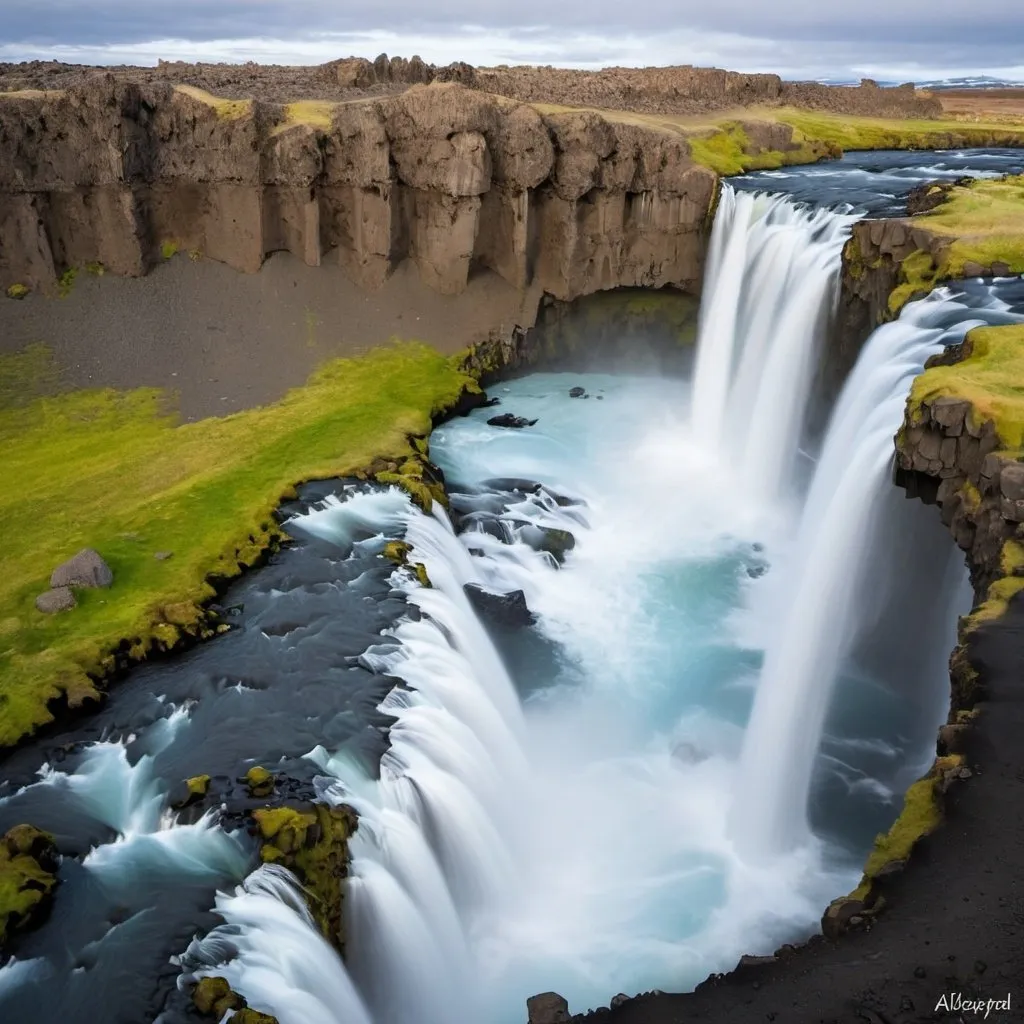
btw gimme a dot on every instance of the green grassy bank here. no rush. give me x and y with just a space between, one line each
115 472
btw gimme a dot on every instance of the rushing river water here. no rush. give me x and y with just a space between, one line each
729 680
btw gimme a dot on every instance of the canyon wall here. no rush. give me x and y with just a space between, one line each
123 174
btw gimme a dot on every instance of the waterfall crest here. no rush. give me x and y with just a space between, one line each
770 289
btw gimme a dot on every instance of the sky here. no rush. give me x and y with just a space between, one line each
891 40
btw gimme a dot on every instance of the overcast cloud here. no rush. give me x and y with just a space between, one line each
891 39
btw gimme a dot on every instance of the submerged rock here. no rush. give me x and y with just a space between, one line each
557 543
507 419
577 392
60 599
86 569
508 609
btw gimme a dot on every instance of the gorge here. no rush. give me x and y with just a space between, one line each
672 757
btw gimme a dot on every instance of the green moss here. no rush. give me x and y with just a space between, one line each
259 781
421 574
313 843
990 377
198 785
251 1016
921 814
213 997
396 551
917 277
314 113
66 282
26 883
415 476
971 496
225 109
95 268
168 250
997 600
204 490
17 291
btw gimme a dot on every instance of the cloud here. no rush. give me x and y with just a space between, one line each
801 38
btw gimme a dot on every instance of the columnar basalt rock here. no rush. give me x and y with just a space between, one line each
127 174
949 457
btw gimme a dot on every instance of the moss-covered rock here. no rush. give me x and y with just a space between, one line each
397 551
259 781
17 291
312 842
921 815
190 791
28 878
422 480
214 997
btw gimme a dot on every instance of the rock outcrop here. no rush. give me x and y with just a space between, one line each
670 90
666 90
126 174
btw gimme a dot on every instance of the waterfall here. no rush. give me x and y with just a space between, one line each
770 288
433 855
830 588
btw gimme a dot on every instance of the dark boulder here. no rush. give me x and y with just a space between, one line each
557 543
508 609
577 392
507 419
86 569
547 1008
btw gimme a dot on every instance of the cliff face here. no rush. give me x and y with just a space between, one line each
121 173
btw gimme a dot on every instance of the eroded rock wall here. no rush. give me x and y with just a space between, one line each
947 455
123 173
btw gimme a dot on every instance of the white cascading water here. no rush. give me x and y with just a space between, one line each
770 289
830 588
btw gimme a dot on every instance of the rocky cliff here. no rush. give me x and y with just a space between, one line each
663 90
123 174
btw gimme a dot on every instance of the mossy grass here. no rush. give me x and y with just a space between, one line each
17 291
984 225
116 472
315 113
168 249
226 109
850 133
990 377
